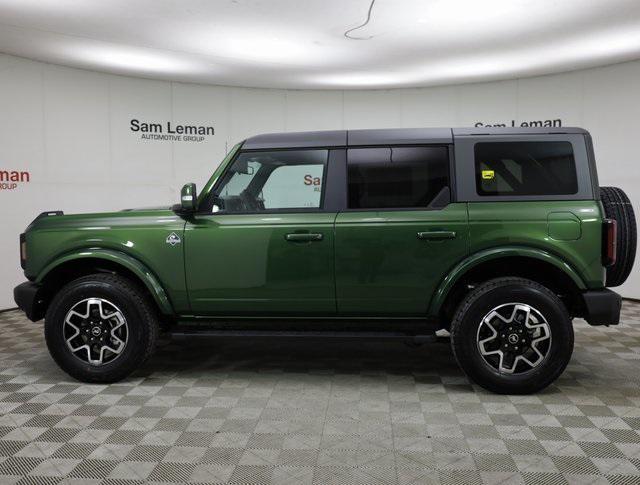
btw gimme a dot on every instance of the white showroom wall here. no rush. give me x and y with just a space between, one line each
70 129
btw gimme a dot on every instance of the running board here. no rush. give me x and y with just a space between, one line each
182 333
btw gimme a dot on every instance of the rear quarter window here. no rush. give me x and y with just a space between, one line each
525 168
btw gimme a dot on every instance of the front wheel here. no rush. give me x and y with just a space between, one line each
100 328
512 336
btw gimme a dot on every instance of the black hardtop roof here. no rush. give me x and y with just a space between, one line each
387 136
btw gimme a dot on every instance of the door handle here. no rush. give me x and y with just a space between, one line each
303 237
436 235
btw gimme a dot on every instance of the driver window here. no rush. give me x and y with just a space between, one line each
293 186
273 180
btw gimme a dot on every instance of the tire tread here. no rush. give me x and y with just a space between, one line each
617 206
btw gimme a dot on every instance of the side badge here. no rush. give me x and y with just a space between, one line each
173 239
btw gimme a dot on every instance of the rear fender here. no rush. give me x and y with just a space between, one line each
474 260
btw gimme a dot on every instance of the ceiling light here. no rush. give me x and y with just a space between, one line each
294 44
131 58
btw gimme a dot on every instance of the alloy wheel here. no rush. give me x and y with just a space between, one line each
514 338
95 331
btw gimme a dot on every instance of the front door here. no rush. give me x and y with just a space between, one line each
266 244
400 234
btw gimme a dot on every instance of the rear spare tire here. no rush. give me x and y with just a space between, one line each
617 206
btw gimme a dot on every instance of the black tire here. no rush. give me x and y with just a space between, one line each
502 291
618 206
142 327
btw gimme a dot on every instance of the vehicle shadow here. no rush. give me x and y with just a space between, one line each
201 357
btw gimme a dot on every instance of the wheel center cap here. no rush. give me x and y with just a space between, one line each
513 338
96 331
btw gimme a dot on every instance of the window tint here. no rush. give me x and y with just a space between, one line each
525 168
396 177
285 179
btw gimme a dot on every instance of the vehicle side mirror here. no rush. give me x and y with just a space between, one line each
188 198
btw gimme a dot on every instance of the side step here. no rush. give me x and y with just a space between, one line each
183 333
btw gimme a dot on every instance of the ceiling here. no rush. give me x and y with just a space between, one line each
302 43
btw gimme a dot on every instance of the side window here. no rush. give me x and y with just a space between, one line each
525 168
272 180
240 180
396 177
294 186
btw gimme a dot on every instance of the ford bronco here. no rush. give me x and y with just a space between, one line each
500 236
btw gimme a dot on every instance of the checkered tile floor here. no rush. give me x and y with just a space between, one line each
295 411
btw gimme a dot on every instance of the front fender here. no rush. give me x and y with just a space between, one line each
123 259
473 260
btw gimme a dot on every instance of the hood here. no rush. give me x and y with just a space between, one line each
90 221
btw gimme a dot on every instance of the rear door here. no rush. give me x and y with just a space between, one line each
400 232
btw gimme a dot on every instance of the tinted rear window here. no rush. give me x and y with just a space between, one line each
396 177
525 168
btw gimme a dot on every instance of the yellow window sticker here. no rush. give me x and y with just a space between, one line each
488 174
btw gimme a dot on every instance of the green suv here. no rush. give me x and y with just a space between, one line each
499 236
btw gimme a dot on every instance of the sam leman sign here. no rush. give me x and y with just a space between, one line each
169 131
531 123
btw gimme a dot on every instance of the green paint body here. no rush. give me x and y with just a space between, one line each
399 263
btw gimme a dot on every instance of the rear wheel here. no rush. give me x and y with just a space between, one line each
512 336
100 328
617 206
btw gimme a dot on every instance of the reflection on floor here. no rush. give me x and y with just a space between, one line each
317 411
